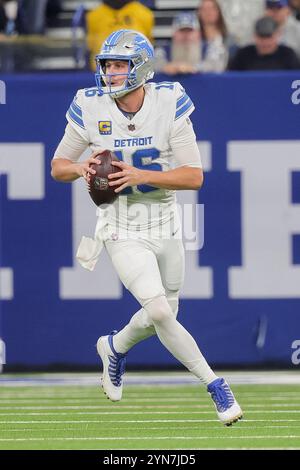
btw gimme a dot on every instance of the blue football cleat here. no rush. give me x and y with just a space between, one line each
113 367
228 409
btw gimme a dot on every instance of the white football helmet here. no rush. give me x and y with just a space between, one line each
133 47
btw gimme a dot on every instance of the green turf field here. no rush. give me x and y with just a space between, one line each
148 417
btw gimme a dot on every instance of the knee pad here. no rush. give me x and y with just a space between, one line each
158 309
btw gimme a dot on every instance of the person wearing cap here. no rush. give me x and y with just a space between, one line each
281 11
198 42
267 53
183 55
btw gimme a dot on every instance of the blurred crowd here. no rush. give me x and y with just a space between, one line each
208 40
27 16
219 35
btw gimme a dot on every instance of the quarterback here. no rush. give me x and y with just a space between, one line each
147 126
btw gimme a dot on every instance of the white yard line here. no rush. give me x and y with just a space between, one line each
142 438
143 400
137 421
149 428
206 404
259 377
202 404
73 409
269 395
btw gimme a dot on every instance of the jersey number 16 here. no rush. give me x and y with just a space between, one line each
141 159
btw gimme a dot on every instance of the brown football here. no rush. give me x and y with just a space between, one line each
99 190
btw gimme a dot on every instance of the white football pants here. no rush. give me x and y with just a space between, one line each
153 271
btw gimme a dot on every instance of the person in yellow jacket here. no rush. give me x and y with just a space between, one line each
113 15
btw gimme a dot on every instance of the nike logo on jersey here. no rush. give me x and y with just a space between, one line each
137 142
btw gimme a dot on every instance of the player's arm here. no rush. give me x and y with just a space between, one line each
184 177
64 165
187 175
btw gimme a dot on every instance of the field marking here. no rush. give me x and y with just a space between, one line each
150 428
143 400
122 413
57 407
204 404
146 379
130 429
136 421
29 393
157 396
99 407
142 438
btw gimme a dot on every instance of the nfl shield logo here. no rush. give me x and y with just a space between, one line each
131 127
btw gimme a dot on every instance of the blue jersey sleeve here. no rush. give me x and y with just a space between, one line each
75 116
184 104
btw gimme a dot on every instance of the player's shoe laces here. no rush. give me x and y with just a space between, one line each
113 367
228 409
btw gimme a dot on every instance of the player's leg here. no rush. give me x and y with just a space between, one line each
139 271
131 259
171 264
161 311
140 326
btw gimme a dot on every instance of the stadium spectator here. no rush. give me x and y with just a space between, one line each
31 16
240 16
8 17
198 43
281 12
214 37
295 6
113 15
267 53
53 8
184 54
3 18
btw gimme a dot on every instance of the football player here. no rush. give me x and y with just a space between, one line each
147 125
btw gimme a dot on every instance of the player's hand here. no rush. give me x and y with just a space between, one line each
84 168
127 176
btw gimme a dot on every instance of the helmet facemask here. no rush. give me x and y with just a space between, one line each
140 67
106 85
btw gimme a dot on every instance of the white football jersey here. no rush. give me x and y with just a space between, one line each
146 141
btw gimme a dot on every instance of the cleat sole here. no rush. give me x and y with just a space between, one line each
234 420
